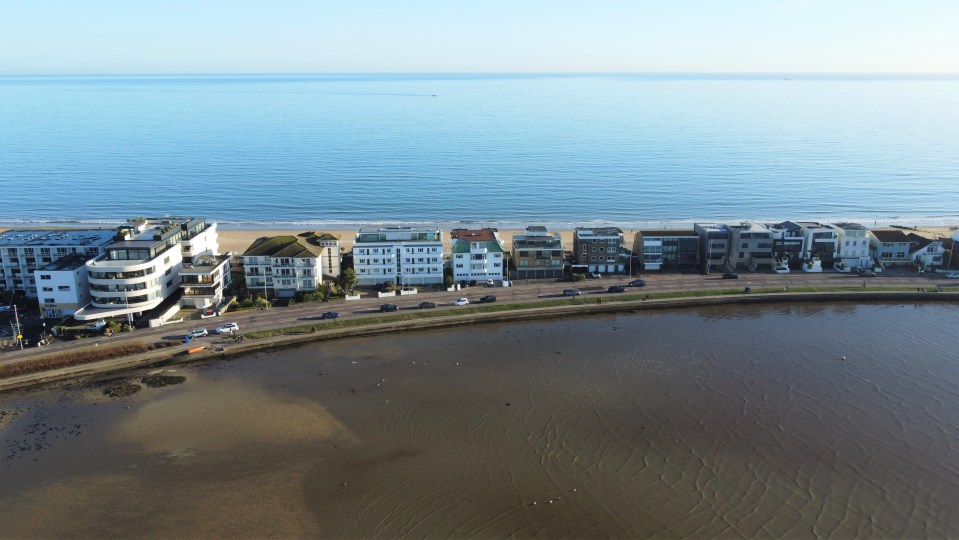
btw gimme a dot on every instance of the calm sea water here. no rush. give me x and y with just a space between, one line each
341 150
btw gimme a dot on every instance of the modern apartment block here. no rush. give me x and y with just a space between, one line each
789 244
853 244
599 249
22 252
477 254
537 254
667 250
62 286
281 266
141 269
714 243
406 256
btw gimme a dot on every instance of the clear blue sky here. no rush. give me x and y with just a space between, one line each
287 36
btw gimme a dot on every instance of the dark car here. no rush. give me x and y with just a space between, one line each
472 283
572 292
616 288
730 275
388 307
329 315
488 299
637 283
427 305
377 286
867 273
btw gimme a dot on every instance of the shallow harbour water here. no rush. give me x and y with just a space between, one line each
731 421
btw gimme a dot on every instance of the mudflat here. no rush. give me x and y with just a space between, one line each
727 421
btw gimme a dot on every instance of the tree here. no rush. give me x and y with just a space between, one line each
450 281
348 279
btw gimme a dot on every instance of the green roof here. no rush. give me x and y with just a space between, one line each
281 246
463 246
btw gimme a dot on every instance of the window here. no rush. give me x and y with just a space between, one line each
48 289
168 272
45 276
49 300
63 288
169 283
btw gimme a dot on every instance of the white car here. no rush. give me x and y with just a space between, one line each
197 332
227 328
461 302
99 325
952 275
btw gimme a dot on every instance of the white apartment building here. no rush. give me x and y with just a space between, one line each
853 242
402 255
477 254
599 249
281 266
331 253
203 281
62 286
142 268
22 252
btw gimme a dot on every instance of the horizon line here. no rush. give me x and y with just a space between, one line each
314 73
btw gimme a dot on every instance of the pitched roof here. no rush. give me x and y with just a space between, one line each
894 236
281 246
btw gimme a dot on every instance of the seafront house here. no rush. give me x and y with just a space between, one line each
714 244
926 252
751 246
599 249
332 254
405 256
204 280
281 266
890 246
63 286
141 269
667 250
477 254
537 254
853 245
789 245
23 252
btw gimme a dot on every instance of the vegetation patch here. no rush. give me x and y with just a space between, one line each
76 358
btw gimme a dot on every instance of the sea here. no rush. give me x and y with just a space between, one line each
793 421
345 150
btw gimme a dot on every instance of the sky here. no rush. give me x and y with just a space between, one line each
438 36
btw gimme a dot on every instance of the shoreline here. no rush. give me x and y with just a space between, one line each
162 357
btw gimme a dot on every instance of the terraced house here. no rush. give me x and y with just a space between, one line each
281 266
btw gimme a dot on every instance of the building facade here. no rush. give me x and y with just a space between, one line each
406 256
477 254
667 250
750 246
853 245
204 281
890 246
537 254
281 266
926 252
142 268
599 249
63 287
714 242
22 252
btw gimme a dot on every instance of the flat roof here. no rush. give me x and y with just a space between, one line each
598 231
62 237
668 232
65 263
474 235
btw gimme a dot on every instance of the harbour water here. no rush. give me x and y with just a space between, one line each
345 150
714 422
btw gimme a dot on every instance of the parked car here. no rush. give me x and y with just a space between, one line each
488 299
594 275
637 283
461 302
472 283
427 305
385 308
490 283
952 275
572 292
616 288
228 328
330 315
867 273
198 332
730 275
99 325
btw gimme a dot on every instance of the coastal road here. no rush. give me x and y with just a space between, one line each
521 291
